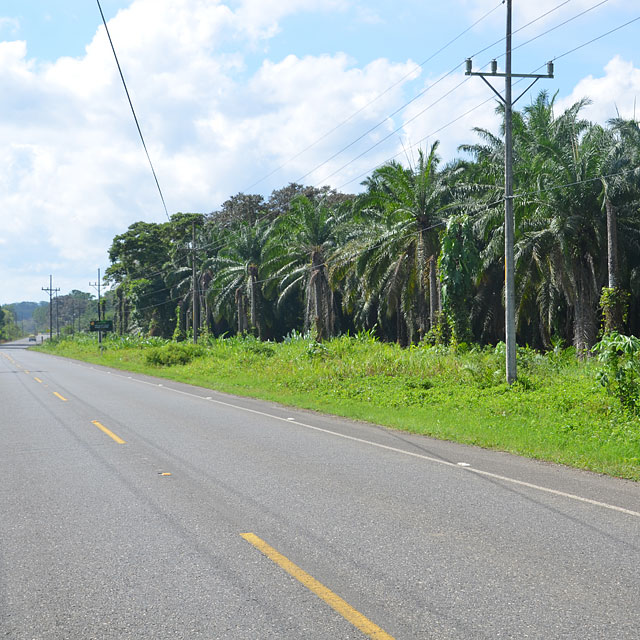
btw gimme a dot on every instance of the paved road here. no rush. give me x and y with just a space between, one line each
106 539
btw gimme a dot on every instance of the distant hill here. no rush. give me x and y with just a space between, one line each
24 310
23 313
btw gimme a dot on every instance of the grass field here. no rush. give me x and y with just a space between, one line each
556 411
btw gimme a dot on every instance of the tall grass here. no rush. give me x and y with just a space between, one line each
556 411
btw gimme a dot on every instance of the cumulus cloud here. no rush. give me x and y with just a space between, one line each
72 164
260 19
615 93
448 112
215 121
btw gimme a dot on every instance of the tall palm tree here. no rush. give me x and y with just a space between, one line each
567 227
236 286
620 180
559 223
406 207
302 244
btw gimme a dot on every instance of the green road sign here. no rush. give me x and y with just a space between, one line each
101 325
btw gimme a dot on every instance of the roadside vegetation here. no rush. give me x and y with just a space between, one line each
417 255
413 267
561 409
9 328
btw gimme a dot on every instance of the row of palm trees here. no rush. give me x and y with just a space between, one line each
419 254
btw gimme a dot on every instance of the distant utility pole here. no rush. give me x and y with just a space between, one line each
509 225
97 285
51 291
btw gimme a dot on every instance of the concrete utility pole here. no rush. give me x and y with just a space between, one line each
509 225
97 285
194 284
51 291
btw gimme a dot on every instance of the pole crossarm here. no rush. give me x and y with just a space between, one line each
495 74
485 74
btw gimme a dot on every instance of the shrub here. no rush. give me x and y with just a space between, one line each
173 354
620 375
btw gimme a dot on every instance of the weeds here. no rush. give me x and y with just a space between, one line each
554 411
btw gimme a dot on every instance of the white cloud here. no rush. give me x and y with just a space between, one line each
449 111
72 170
260 19
614 93
71 163
367 15
12 25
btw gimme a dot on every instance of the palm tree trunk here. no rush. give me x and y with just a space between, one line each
241 307
433 294
254 301
420 274
585 324
612 244
615 305
322 297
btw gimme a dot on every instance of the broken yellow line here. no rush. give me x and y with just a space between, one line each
37 379
55 393
334 601
109 433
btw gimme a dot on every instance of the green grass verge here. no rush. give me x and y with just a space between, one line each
556 411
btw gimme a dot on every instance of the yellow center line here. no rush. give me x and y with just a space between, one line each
55 393
37 379
109 433
334 601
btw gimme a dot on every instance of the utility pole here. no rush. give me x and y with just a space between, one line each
509 224
194 284
51 291
97 285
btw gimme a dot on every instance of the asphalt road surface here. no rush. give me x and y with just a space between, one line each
132 507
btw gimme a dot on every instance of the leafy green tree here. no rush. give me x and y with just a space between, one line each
459 262
280 200
138 266
9 329
240 209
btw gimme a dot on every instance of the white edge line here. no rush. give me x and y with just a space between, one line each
488 474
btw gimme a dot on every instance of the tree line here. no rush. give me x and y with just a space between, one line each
70 313
418 255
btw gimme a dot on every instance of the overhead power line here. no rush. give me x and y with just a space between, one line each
380 95
124 84
622 26
422 140
428 88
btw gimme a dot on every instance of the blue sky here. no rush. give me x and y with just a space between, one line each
230 92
